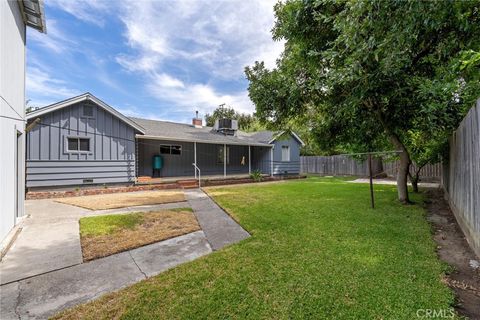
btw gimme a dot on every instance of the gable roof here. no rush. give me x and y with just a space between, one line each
165 130
84 97
280 133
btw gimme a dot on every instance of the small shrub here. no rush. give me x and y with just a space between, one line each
256 175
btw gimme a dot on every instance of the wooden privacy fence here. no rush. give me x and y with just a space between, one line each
346 166
429 172
338 165
461 178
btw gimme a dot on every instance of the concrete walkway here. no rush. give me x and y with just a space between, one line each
50 239
219 227
43 271
42 296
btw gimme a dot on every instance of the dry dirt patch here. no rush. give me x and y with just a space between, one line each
121 200
102 236
453 248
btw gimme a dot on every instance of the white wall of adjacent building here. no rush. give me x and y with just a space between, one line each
12 115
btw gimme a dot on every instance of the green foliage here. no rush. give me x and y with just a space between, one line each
108 224
316 251
371 72
256 175
246 122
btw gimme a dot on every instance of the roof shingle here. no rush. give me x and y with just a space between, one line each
186 132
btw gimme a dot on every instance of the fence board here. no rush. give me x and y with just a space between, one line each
461 179
347 166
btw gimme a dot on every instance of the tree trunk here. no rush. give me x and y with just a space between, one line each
403 170
414 180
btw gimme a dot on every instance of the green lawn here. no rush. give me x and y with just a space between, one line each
317 251
108 224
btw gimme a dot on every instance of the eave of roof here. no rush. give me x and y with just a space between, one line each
80 98
33 14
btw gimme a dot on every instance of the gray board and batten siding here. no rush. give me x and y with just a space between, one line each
111 155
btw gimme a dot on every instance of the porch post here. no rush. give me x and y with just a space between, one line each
195 157
225 160
249 162
271 161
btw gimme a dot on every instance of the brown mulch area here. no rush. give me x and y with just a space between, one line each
453 248
156 226
121 200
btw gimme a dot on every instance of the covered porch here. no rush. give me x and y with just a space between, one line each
213 160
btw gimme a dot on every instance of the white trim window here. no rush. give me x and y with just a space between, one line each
78 144
285 153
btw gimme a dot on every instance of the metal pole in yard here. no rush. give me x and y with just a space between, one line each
371 179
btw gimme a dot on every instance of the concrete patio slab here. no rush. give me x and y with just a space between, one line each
41 248
220 229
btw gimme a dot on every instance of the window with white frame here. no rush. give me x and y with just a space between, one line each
285 153
77 144
221 156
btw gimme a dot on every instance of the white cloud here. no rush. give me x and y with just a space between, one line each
224 36
195 96
55 40
43 89
219 38
86 10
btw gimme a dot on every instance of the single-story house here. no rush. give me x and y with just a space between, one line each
82 140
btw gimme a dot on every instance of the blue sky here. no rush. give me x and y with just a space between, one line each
153 59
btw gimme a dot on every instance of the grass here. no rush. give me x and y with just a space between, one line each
317 251
121 200
102 236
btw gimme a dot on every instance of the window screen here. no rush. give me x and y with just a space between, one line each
78 144
88 111
285 153
72 144
84 144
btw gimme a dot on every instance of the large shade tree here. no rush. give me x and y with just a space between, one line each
372 71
